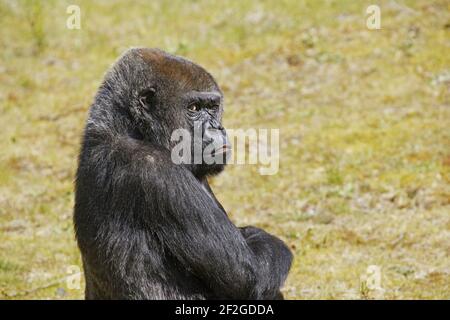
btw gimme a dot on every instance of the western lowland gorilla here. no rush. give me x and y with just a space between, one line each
148 228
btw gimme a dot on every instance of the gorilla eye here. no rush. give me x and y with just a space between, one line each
146 97
193 107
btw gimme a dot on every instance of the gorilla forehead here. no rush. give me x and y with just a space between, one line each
175 69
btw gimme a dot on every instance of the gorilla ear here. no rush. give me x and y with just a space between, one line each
146 97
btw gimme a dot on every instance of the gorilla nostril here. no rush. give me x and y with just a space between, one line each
217 126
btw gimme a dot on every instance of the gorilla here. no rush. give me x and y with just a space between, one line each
148 228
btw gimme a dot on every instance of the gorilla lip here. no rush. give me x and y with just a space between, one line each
223 149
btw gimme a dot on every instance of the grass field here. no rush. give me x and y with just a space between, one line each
364 119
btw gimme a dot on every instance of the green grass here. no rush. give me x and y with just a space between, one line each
364 115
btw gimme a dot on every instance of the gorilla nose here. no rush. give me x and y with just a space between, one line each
215 125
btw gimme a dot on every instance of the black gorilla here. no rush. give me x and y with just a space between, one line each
151 229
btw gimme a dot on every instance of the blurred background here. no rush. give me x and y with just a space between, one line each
362 195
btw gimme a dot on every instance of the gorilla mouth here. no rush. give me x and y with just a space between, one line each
226 148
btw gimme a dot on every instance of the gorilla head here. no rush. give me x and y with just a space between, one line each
164 93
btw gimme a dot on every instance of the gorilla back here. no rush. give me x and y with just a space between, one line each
148 228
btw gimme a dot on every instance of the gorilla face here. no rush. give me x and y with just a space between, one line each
170 93
210 142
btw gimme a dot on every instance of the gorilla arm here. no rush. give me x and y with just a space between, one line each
271 251
197 232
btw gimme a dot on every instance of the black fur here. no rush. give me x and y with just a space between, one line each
150 229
